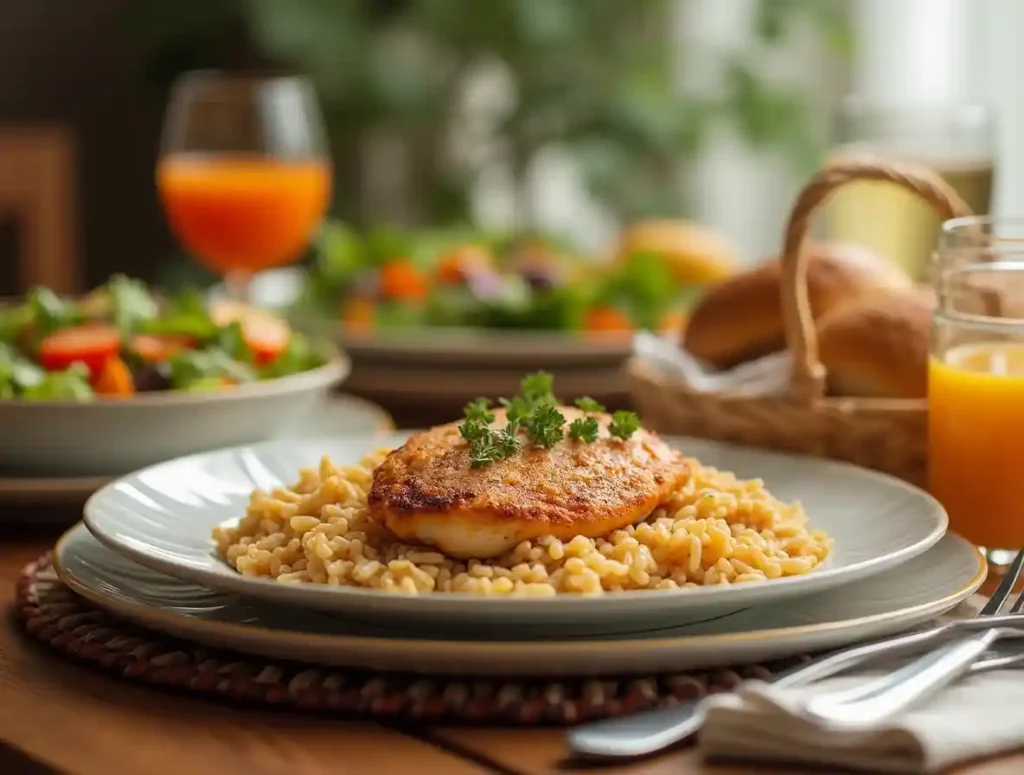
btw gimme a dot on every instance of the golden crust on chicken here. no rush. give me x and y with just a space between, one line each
427 491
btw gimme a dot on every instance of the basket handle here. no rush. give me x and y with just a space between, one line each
808 376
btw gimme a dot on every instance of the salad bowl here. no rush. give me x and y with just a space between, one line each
68 438
121 379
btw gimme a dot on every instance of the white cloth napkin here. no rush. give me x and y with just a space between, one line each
765 376
978 716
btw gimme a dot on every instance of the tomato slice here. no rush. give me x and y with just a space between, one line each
92 344
266 334
155 348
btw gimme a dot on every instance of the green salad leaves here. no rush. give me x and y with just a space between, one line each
54 348
21 378
470 278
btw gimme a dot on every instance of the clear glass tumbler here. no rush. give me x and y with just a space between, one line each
976 382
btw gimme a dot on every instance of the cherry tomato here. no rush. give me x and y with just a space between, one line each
92 344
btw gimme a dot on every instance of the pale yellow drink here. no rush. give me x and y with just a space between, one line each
898 224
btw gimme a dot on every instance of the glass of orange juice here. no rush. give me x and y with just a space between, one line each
243 174
976 382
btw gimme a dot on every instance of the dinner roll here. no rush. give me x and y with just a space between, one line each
878 346
696 255
740 319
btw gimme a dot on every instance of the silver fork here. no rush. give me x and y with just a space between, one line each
645 733
888 695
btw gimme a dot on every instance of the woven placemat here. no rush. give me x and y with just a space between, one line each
66 622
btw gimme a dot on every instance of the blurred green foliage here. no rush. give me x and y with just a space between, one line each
594 76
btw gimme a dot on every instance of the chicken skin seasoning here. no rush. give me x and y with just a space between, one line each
427 491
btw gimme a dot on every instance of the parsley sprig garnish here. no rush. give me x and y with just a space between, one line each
623 424
485 444
534 411
586 428
544 426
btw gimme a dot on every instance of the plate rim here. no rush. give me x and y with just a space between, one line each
620 640
74 486
447 339
304 593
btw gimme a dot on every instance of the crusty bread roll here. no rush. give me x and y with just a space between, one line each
740 319
696 255
878 347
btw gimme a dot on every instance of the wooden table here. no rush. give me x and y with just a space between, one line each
56 717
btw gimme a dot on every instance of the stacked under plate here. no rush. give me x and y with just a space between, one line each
147 555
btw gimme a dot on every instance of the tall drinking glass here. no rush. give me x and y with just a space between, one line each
243 174
976 382
957 141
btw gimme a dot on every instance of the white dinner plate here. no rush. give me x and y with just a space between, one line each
339 415
162 517
894 601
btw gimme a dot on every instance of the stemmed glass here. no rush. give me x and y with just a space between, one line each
244 174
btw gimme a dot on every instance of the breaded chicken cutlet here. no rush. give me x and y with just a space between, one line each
427 492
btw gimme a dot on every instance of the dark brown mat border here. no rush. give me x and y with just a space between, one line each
53 614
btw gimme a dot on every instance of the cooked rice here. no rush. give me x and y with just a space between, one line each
716 530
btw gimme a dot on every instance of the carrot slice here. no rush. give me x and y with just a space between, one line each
358 315
605 320
462 261
114 379
400 279
672 323
265 334
92 344
154 348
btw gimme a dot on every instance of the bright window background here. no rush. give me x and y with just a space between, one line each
907 50
996 65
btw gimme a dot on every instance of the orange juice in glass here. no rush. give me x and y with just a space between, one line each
976 428
243 174
976 387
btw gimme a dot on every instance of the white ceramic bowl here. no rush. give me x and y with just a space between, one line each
112 437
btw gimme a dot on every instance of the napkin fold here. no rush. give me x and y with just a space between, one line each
765 376
978 716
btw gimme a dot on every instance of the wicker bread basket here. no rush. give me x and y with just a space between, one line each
888 435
